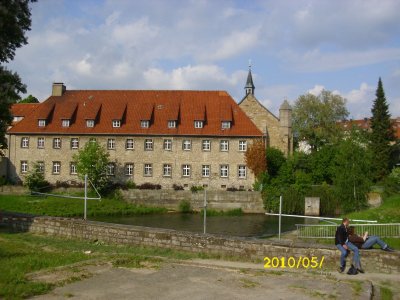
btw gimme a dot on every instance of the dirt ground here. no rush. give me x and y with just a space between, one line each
210 279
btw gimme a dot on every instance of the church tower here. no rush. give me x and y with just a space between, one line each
249 87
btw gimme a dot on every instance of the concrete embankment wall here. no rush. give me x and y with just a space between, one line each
245 249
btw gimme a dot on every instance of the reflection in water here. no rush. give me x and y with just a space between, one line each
248 225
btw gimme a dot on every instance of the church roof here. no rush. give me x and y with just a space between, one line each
285 105
249 81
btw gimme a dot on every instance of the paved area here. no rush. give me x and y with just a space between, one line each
208 279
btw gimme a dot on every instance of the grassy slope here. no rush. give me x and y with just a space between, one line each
62 207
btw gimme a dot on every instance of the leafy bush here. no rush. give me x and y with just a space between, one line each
185 207
3 180
196 189
149 186
177 187
215 213
62 184
35 180
130 184
232 189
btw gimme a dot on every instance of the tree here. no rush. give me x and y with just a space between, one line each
35 180
93 160
275 159
255 157
315 118
29 99
15 21
382 134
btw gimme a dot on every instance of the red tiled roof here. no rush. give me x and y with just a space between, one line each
366 124
23 109
132 106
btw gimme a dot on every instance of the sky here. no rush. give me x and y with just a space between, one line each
295 47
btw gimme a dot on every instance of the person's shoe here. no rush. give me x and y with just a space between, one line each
361 271
388 249
341 269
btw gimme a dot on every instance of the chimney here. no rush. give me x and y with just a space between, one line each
58 89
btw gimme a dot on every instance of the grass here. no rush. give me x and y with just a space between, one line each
63 207
386 293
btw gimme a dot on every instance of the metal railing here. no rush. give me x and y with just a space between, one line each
328 231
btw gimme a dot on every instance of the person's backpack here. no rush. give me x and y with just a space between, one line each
352 270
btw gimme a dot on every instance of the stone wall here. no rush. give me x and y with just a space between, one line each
245 249
249 202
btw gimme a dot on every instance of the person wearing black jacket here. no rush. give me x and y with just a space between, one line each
344 245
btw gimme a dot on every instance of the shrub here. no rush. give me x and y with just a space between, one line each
185 207
62 184
177 187
195 188
3 180
232 189
149 186
215 213
130 184
35 180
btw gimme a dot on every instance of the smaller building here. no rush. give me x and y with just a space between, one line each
365 124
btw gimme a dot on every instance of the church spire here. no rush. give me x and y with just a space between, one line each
249 87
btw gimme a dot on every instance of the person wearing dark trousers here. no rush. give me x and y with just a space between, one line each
366 241
344 245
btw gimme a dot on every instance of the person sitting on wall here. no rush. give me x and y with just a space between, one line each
366 241
344 245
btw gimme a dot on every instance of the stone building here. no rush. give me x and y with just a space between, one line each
276 131
161 137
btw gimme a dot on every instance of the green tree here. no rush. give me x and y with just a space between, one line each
15 21
29 99
322 162
315 118
35 180
382 134
93 160
275 159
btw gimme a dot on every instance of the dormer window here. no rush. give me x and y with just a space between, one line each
116 123
42 123
89 123
65 123
226 124
171 124
144 123
198 124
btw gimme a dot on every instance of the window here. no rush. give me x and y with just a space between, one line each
148 144
25 142
186 170
242 171
168 145
129 145
65 123
129 169
57 143
111 169
148 170
224 145
226 124
89 123
116 123
74 143
144 123
40 166
187 145
171 124
167 170
242 146
206 145
40 142
72 168
205 171
24 166
42 123
56 167
198 124
111 144
224 171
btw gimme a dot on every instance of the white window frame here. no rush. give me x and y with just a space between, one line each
56 169
171 124
25 142
116 123
129 169
242 146
148 170
167 170
205 170
224 145
40 166
130 144
225 124
198 124
111 169
167 145
24 166
242 171
72 168
186 145
65 122
204 143
224 171
186 171
57 145
144 123
111 144
90 123
42 122
40 142
148 145
74 143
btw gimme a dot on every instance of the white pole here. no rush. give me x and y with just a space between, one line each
205 212
280 215
319 218
84 213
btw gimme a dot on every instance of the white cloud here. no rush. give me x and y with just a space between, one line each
316 90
